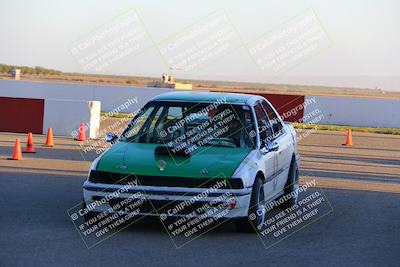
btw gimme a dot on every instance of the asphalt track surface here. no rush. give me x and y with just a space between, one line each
362 184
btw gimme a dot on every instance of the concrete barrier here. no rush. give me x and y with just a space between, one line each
65 117
365 112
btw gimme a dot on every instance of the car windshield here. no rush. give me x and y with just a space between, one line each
192 124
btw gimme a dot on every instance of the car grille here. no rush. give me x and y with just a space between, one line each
120 178
160 206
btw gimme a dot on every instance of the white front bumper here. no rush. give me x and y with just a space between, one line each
92 191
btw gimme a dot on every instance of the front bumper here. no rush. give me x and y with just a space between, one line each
166 201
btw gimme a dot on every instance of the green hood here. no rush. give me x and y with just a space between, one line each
139 159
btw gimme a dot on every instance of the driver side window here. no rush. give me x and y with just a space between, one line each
276 123
264 126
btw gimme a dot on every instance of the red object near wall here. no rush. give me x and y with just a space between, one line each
21 115
286 105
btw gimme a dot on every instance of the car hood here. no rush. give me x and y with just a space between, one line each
140 159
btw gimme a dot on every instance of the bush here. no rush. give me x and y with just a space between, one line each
132 81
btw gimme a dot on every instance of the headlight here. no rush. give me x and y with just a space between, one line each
95 162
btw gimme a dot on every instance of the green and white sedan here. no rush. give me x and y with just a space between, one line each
198 150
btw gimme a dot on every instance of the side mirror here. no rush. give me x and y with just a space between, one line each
276 127
110 137
270 146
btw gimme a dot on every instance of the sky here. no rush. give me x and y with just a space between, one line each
351 43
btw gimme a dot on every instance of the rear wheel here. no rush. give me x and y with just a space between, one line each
291 191
256 214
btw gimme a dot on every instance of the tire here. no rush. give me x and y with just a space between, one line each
291 186
246 225
90 214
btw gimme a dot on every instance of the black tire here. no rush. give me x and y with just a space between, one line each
291 187
250 223
89 215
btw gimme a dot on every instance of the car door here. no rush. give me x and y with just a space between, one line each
268 160
284 141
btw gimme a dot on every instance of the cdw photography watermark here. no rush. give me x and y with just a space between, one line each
203 126
102 214
312 118
113 121
201 43
281 223
122 37
289 44
199 211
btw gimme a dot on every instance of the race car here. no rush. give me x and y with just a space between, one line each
199 151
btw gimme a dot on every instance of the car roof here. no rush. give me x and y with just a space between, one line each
190 96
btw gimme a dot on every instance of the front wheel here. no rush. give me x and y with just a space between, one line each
256 213
89 215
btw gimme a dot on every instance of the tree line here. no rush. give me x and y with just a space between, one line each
4 68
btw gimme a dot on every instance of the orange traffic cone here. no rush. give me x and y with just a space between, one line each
29 145
49 139
17 150
349 138
81 133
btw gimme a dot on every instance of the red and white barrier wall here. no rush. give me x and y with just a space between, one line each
337 110
39 109
22 115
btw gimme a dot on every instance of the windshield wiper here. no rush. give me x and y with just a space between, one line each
214 142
